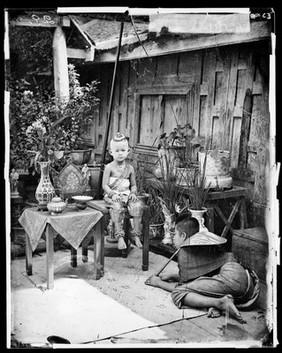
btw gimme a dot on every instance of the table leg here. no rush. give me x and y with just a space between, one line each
230 219
50 257
28 255
99 250
73 257
125 252
145 250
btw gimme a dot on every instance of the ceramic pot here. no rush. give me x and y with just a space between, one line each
56 206
45 190
80 157
199 215
217 168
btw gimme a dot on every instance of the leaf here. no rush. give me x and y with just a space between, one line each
58 154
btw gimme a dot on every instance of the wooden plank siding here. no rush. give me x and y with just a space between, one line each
206 88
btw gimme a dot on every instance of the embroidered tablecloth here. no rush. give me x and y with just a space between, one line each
71 224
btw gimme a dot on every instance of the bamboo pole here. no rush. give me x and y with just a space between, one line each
173 255
109 115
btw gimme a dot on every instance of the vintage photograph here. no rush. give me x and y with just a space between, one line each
141 177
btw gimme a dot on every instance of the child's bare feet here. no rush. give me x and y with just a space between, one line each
213 312
137 241
227 304
121 243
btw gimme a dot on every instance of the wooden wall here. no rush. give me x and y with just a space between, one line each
222 92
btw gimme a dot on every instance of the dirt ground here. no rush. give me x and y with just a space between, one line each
118 310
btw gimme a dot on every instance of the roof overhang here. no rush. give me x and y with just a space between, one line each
169 44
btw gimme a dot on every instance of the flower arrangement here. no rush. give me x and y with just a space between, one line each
43 142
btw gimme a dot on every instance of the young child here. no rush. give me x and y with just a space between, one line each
208 277
119 185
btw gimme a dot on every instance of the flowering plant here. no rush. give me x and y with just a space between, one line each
42 127
183 140
42 142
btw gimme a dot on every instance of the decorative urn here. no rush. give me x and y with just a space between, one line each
56 206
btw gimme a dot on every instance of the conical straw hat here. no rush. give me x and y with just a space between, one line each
204 238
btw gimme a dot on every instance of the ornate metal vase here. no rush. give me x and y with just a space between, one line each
199 215
45 190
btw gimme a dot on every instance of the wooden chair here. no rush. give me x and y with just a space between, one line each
100 206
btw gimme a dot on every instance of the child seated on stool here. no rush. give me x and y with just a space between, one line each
119 185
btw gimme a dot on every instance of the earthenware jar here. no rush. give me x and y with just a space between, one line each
56 206
217 175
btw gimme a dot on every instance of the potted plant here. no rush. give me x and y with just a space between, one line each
76 116
43 128
64 122
179 146
156 225
169 193
197 192
217 169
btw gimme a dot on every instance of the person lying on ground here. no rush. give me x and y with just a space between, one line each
208 276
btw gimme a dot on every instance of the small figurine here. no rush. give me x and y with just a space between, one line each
87 174
14 179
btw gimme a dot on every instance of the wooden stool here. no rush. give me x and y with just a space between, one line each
100 205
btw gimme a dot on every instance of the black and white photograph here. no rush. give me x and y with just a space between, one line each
141 177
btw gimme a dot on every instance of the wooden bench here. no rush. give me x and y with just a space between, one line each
100 206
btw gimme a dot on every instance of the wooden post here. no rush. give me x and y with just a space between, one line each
73 257
145 253
98 250
61 78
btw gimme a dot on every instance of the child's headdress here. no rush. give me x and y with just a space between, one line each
119 137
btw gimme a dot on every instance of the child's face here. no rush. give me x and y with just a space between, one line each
119 150
178 238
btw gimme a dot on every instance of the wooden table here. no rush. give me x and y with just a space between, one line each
73 225
100 206
238 194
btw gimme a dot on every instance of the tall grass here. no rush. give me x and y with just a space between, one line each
166 184
196 188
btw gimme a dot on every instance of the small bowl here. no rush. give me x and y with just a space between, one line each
81 201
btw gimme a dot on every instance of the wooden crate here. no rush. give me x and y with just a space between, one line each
250 247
